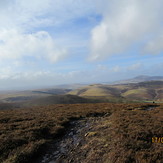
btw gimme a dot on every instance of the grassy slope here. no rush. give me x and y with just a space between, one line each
140 91
139 94
24 132
104 93
145 91
58 99
18 96
49 100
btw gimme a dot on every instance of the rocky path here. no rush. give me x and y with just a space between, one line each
72 147
85 141
150 107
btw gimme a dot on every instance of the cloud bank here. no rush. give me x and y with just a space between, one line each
21 24
15 45
125 24
39 79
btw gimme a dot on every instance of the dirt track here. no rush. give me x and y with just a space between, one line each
73 146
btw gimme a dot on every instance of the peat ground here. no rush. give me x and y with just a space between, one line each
82 133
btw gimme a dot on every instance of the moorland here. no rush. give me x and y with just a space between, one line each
109 123
124 135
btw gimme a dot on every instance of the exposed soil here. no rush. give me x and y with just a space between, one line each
150 107
74 145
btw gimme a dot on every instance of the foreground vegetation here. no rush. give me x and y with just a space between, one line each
24 133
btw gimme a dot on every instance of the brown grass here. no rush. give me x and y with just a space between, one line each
25 132
133 132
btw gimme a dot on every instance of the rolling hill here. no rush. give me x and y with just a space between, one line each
59 99
143 91
22 96
138 79
45 101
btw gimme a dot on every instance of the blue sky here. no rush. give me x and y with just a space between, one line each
52 42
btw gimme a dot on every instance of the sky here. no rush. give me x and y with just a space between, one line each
53 42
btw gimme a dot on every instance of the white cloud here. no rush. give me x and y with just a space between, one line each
29 13
116 69
154 46
5 73
19 18
135 67
40 45
15 15
10 79
124 23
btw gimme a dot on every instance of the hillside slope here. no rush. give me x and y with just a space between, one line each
143 91
23 96
58 99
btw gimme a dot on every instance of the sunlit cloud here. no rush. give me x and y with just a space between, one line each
126 23
40 45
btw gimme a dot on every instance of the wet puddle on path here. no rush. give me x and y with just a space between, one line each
150 107
63 149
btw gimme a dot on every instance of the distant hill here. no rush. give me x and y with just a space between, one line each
26 95
22 96
69 86
143 91
129 90
49 100
141 78
59 99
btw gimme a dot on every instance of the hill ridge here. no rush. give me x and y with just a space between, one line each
150 91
